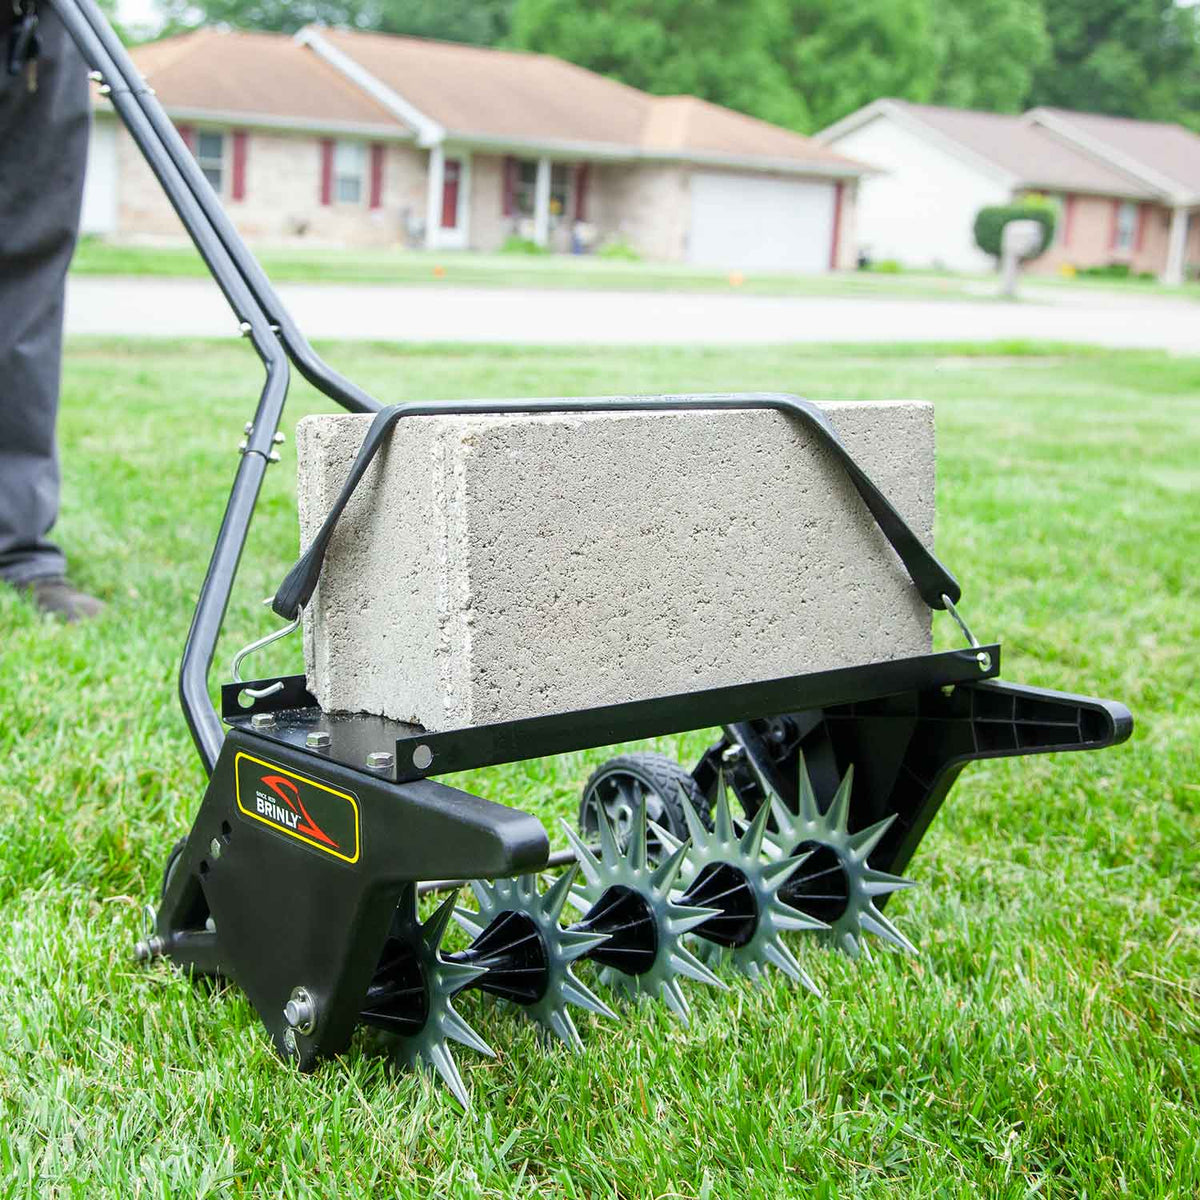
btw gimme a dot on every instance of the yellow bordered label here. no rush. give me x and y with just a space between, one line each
311 812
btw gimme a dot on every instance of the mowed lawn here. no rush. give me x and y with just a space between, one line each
1045 1042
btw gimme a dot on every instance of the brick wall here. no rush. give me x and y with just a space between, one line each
282 198
1085 236
645 203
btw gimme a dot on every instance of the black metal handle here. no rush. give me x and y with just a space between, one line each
932 579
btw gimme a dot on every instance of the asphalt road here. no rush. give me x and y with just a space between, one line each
195 308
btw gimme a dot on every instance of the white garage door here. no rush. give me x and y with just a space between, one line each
751 221
100 186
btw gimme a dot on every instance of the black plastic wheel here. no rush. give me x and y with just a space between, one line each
622 782
168 869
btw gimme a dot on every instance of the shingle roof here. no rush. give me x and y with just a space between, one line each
481 92
471 91
1036 157
1169 151
256 74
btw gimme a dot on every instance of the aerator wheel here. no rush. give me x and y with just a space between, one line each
625 783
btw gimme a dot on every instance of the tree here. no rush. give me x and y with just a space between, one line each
481 22
707 48
1138 58
988 52
842 54
801 63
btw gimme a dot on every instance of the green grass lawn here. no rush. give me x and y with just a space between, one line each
305 264
1045 1042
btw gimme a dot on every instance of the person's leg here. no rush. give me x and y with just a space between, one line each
43 153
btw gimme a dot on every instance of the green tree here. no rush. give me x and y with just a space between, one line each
1138 58
708 48
842 54
801 63
988 52
481 22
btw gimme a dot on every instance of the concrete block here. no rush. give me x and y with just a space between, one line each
490 568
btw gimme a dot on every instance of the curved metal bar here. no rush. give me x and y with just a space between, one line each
934 582
205 725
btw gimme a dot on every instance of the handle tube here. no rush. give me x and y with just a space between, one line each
201 716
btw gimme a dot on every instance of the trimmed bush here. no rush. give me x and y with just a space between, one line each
519 245
990 223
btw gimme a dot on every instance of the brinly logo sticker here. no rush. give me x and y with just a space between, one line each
312 812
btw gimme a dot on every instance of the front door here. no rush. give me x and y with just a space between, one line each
451 179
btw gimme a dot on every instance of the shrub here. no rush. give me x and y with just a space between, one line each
513 244
620 249
990 223
885 266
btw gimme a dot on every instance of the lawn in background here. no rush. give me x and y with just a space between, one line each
1047 1039
308 264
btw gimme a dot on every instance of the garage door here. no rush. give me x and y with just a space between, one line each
100 186
750 221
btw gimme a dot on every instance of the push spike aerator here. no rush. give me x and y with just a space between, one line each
795 825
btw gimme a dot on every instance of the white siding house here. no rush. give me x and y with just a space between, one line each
920 208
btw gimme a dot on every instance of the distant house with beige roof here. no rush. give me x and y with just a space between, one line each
1127 191
342 137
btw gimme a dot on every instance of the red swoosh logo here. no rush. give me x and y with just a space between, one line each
289 793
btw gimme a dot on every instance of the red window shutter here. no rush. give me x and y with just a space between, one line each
509 183
581 182
377 151
188 133
1068 219
326 170
240 140
1112 228
835 233
1140 236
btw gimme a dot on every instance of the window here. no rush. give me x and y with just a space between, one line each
525 188
1125 232
210 154
349 169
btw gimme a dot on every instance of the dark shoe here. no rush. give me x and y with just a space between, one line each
57 597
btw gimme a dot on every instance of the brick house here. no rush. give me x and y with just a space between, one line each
350 138
1127 191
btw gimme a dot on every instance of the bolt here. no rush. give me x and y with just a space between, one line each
210 925
317 740
244 328
214 848
380 760
300 1012
262 720
289 1040
242 446
148 948
273 456
248 427
422 757
279 439
95 77
734 754
984 659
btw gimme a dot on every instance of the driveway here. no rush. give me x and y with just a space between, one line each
195 308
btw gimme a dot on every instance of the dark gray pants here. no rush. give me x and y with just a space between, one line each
43 153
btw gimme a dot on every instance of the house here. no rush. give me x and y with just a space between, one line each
1127 191
365 139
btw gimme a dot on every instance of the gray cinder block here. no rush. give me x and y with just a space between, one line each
490 568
